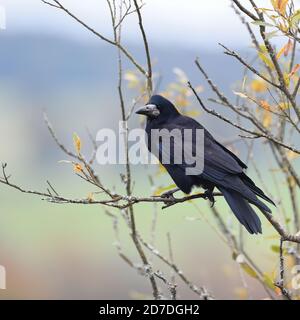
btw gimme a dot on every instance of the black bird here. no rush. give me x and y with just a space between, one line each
222 168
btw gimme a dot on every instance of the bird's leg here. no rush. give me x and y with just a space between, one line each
169 194
208 194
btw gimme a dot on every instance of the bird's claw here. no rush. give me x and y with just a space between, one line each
208 195
212 202
168 194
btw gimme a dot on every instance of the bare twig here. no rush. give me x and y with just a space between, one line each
117 39
245 10
99 35
255 135
280 283
147 50
241 60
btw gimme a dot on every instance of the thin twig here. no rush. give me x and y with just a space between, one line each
99 35
280 283
254 135
147 50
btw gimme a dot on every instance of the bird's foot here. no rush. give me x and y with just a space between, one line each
169 194
208 195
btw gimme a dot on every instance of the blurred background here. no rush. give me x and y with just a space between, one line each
50 63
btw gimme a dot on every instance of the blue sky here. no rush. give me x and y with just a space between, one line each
190 22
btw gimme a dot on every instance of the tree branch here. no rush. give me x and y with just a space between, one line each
99 35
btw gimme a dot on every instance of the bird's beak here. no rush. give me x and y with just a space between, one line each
149 110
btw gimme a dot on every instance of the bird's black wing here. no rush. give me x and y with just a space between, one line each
221 167
218 160
237 159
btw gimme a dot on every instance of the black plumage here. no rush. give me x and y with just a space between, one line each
222 168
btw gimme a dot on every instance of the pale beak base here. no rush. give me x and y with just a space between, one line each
149 110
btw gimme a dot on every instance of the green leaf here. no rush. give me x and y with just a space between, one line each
240 259
270 35
275 248
249 270
266 60
77 142
268 281
295 18
262 23
287 79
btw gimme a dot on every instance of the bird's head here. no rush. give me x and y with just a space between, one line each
158 107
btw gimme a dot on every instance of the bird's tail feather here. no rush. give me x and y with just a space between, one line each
242 210
249 183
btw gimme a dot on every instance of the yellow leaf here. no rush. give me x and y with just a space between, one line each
270 35
249 270
280 52
161 169
267 61
276 249
267 119
283 27
192 113
283 105
286 78
259 85
262 23
78 168
264 104
280 6
291 181
292 155
241 293
181 101
277 291
90 197
77 142
269 281
272 237
295 78
294 70
288 47
274 4
265 9
295 19
285 49
175 86
166 94
132 79
161 190
240 259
